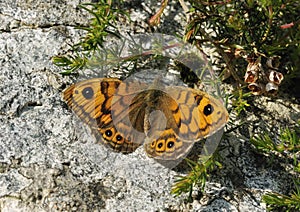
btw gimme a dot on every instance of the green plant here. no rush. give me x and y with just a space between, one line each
239 100
284 202
250 26
197 176
104 16
287 147
289 142
70 63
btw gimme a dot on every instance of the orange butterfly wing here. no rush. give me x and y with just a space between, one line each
91 100
196 115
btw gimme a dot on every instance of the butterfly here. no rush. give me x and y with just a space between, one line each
168 120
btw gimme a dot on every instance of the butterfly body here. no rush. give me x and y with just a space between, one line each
124 115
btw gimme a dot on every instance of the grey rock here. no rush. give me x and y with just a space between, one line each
12 183
49 160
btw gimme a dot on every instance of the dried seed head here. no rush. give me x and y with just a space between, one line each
251 76
256 88
253 69
275 77
273 62
254 66
271 88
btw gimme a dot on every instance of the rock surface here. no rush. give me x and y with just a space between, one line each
48 159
